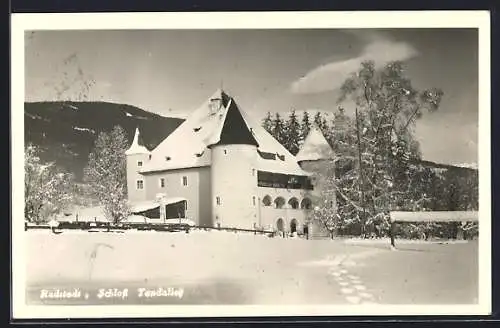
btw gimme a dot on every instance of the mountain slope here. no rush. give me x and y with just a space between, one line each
66 131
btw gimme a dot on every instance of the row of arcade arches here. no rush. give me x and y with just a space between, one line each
279 202
280 225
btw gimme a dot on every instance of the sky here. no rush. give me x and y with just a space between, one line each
172 72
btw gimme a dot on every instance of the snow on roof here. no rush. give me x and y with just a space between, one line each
135 148
188 145
84 214
315 147
438 216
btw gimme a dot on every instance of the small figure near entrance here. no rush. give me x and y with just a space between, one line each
293 228
306 231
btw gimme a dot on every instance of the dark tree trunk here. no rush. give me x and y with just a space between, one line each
392 232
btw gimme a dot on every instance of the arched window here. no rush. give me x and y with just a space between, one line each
267 200
293 202
279 202
306 204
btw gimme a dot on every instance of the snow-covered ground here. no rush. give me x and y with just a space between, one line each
363 241
242 268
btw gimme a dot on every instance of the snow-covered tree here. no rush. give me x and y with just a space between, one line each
325 208
267 123
305 125
318 120
47 190
292 134
279 132
382 137
106 173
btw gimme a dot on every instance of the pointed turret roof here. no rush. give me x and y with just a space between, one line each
315 147
233 130
136 148
219 123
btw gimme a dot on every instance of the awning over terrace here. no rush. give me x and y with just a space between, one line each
147 205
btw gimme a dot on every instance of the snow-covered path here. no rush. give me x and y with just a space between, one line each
238 268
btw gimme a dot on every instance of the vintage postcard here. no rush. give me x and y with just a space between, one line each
251 164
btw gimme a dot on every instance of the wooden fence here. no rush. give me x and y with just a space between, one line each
432 216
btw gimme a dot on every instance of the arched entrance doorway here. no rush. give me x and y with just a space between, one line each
280 225
293 226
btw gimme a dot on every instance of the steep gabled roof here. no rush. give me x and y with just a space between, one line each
135 147
189 145
315 147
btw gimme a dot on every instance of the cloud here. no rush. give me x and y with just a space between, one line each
331 76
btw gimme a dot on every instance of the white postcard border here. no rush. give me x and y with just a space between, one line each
240 20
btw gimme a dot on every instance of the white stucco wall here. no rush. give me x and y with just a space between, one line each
197 191
234 181
133 175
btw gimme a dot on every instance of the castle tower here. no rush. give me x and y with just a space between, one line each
233 174
317 156
137 156
316 153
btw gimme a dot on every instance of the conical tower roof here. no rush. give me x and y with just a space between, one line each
315 147
135 148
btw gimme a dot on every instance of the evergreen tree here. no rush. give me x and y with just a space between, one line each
305 126
292 135
267 123
279 129
106 173
318 119
324 127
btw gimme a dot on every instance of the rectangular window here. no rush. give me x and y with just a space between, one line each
217 200
162 183
184 180
140 184
139 163
253 200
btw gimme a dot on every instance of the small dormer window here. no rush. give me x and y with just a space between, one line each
215 105
197 129
139 163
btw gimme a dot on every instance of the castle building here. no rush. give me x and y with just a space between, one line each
227 169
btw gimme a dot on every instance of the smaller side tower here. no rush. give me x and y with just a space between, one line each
137 156
317 156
